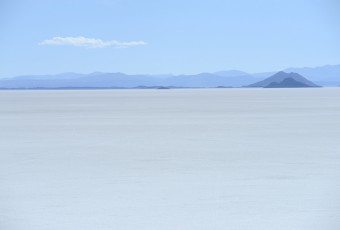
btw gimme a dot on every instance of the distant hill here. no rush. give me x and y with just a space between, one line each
328 75
284 80
287 83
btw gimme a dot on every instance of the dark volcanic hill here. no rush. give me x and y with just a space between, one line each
287 83
284 80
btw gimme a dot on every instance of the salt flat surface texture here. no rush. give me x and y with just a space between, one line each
212 159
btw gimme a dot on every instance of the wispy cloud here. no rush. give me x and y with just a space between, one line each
90 42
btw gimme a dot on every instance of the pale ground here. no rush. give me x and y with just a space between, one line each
207 159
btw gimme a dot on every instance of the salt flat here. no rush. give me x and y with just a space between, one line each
212 159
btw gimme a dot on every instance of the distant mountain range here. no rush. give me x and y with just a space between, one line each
324 76
284 80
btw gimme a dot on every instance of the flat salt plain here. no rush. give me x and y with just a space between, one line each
189 159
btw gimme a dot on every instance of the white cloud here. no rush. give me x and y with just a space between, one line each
90 42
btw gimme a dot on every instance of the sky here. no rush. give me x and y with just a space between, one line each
166 36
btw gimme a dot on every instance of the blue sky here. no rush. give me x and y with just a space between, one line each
159 36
